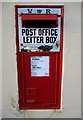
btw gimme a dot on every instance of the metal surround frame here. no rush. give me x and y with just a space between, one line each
20 69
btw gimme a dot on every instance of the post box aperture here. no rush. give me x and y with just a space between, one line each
37 30
39 42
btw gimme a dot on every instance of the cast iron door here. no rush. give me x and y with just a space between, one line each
40 90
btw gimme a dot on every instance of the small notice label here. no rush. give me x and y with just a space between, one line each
40 66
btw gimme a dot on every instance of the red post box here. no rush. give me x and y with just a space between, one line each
39 43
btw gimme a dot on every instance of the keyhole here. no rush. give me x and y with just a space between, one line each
29 90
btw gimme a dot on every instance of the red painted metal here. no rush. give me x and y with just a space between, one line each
39 17
45 91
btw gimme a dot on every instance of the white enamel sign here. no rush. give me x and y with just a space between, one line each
39 39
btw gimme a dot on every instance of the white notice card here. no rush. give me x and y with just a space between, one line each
40 66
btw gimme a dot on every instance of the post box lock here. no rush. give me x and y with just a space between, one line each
39 39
